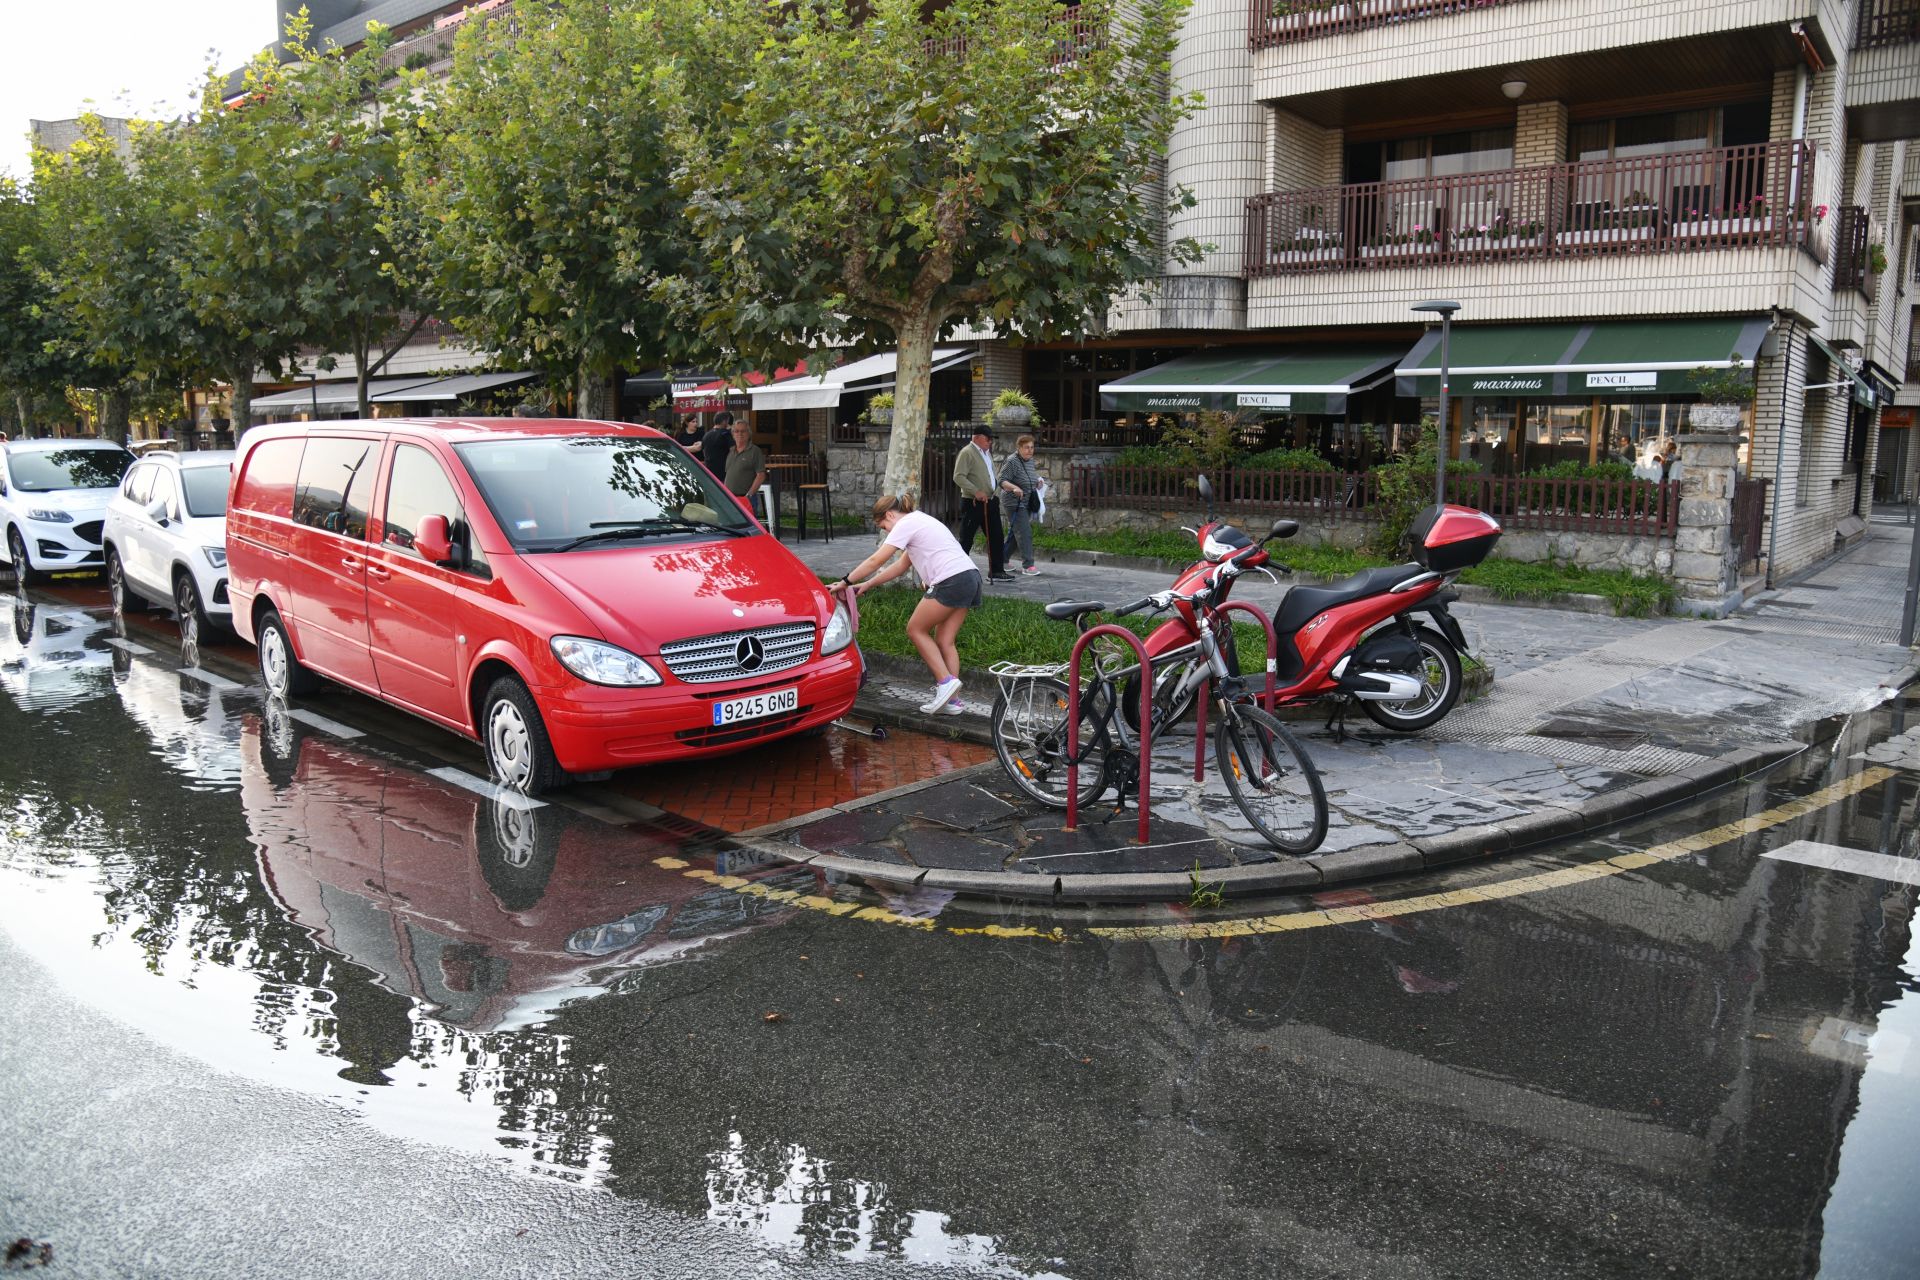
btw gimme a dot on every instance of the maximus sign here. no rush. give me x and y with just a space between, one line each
1506 383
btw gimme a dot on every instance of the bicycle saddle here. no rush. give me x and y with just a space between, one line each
1063 610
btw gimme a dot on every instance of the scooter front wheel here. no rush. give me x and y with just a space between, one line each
1440 680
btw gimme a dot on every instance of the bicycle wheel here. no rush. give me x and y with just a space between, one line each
1271 778
1030 737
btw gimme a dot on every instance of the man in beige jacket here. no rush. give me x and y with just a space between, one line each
979 507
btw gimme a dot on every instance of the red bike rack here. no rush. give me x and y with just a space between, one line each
1073 721
1200 704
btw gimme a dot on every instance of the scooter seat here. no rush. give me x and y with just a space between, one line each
1301 604
1063 610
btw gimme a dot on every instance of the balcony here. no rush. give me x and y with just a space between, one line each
1074 33
1729 197
1884 22
1274 22
1852 236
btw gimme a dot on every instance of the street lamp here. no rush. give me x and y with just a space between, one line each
1446 310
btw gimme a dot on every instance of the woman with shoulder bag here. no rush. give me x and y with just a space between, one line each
1020 499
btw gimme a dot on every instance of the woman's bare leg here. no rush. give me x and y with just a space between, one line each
928 616
946 635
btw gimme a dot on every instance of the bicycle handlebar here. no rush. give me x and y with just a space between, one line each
1125 609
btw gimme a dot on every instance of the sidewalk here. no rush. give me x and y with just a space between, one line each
1590 720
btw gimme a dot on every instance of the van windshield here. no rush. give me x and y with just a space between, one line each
556 493
43 470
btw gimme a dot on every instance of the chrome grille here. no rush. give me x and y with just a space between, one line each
710 658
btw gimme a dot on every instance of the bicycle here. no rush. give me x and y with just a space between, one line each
1267 772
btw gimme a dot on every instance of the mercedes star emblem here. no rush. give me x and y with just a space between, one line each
749 654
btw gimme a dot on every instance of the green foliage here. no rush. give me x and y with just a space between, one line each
1015 398
883 400
1202 894
1877 259
1285 460
1177 550
1632 594
1571 470
1206 441
544 175
32 368
976 161
1732 385
1406 489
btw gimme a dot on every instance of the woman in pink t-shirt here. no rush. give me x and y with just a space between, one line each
953 587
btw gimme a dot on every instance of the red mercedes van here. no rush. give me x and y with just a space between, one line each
578 596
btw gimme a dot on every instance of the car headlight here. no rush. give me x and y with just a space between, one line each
839 633
216 556
598 662
49 515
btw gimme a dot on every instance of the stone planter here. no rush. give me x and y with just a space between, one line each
880 417
1013 416
1704 418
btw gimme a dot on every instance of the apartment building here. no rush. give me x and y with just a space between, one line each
1617 193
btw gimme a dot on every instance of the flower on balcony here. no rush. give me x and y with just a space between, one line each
1819 213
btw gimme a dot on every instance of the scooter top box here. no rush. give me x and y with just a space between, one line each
1450 538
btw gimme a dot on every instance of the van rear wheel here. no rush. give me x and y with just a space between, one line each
519 753
282 672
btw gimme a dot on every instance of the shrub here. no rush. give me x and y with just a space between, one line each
1571 470
1406 489
1285 460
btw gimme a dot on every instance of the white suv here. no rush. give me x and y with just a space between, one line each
53 496
166 539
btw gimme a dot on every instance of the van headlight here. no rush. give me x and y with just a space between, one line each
49 515
598 662
839 632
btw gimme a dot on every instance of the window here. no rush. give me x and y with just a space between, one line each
418 488
44 470
335 475
267 487
1442 154
139 484
206 489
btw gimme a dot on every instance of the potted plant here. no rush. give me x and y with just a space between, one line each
1014 408
1400 244
1741 218
1724 397
879 410
1876 259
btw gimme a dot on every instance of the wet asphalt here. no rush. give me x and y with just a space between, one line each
274 1001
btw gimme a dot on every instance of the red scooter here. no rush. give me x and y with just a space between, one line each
1354 641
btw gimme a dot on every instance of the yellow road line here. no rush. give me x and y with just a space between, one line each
1538 883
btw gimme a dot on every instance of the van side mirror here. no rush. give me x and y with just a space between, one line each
433 540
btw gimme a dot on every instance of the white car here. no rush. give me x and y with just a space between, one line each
166 539
53 499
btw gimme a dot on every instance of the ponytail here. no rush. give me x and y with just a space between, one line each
903 504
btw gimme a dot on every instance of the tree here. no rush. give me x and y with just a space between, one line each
543 173
32 369
108 256
298 235
861 172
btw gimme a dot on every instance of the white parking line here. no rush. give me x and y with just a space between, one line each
128 646
1859 862
491 790
325 725
209 679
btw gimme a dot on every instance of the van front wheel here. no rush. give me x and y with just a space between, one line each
282 672
519 753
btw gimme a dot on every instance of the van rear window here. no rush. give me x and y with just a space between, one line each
336 479
267 485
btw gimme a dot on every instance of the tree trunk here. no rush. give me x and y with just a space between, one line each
361 346
116 406
242 411
595 398
23 406
912 391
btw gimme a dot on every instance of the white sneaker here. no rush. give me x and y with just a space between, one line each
954 708
942 695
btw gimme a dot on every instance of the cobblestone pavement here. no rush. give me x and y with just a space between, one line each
1590 719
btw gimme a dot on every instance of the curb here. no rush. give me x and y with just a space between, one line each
1315 871
1568 602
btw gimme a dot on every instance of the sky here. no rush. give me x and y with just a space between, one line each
54 57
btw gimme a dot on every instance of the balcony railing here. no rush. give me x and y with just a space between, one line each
1272 22
1887 22
1723 198
1645 508
1074 32
1851 234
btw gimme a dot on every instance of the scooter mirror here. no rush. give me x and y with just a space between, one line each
1206 495
1283 528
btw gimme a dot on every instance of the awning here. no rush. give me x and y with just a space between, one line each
1862 389
718 393
453 388
1303 379
335 394
873 373
1612 357
1885 385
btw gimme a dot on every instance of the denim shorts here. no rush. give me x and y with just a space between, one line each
962 591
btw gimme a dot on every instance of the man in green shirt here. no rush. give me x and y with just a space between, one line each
746 465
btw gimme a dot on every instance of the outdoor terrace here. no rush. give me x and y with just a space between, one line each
1726 197
1275 22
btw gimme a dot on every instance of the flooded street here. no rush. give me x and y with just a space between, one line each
1665 1052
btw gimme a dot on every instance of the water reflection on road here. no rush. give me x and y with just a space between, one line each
1703 1066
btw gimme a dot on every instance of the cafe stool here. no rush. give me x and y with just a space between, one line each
826 508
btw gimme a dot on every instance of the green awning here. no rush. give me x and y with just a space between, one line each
1610 357
1303 379
1862 389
